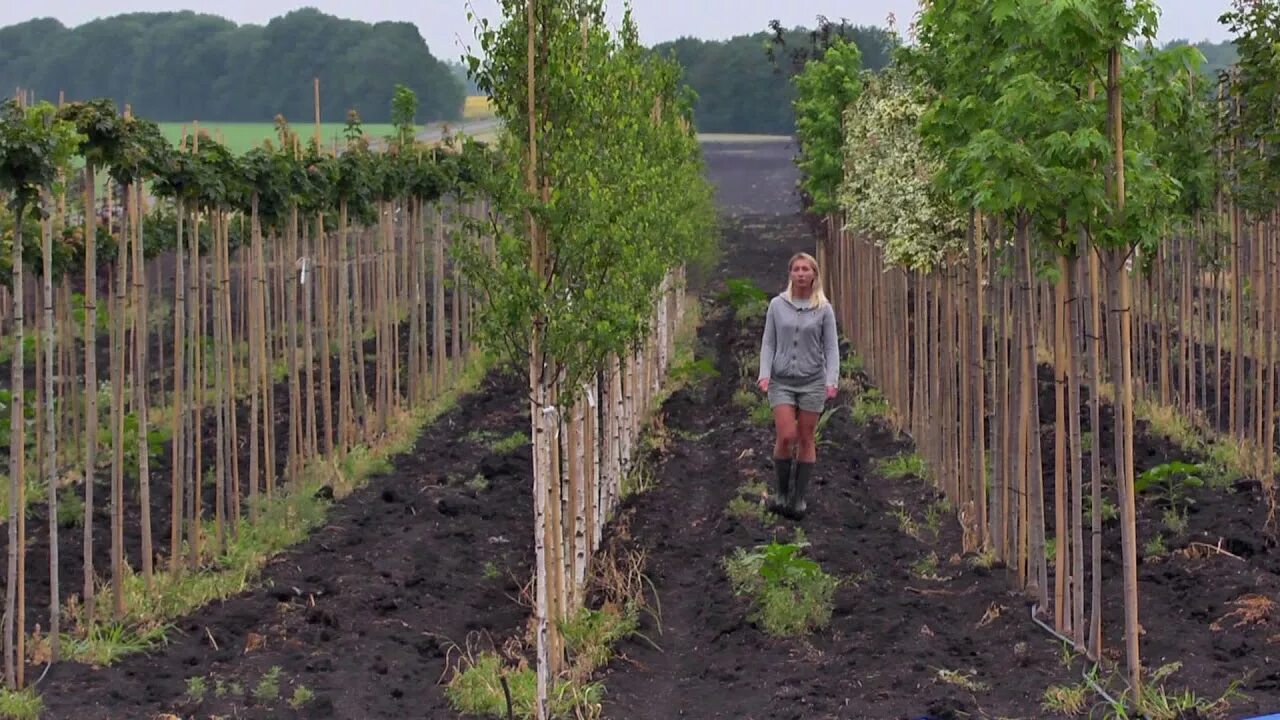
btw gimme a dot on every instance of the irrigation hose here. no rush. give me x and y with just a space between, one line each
1085 673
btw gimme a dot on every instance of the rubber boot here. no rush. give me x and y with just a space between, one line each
795 500
782 485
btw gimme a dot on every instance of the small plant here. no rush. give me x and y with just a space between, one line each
1171 483
1155 547
962 679
851 365
744 399
870 405
510 443
747 300
985 559
301 696
491 571
692 372
1110 511
926 568
761 412
1068 700
592 634
902 467
268 687
22 704
1175 521
196 689
906 523
934 514
792 595
478 483
822 423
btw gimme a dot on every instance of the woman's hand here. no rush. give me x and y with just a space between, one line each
763 384
831 391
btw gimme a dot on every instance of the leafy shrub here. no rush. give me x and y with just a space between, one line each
791 594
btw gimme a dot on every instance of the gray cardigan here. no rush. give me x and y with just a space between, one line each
800 344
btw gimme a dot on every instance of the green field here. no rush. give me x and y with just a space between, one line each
240 137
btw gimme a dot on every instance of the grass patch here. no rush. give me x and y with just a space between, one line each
1157 702
870 405
1069 700
962 679
510 443
761 412
903 467
791 595
22 704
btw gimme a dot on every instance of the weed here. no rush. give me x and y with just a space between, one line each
1155 547
301 696
926 568
870 405
1110 511
791 594
491 571
748 301
851 365
510 443
745 509
934 514
1068 700
961 679
762 412
103 644
22 704
902 467
1175 521
745 398
196 689
478 483
985 559
1171 482
268 687
591 635
906 523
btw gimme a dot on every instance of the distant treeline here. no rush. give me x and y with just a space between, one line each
178 66
739 88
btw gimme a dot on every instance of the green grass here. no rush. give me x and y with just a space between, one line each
20 705
240 137
902 467
870 405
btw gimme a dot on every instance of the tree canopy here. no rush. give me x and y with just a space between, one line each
178 66
741 90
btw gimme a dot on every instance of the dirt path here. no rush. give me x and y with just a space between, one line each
899 644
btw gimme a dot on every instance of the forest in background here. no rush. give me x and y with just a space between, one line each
181 66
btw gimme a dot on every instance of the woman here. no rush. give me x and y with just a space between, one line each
799 369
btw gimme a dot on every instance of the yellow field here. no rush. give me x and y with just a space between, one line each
477 107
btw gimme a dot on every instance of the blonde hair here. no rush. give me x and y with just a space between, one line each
817 297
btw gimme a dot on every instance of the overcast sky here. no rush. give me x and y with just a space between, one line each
443 23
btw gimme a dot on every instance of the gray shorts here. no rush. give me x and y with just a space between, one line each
809 396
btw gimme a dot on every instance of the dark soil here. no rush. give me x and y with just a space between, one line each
71 546
364 612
